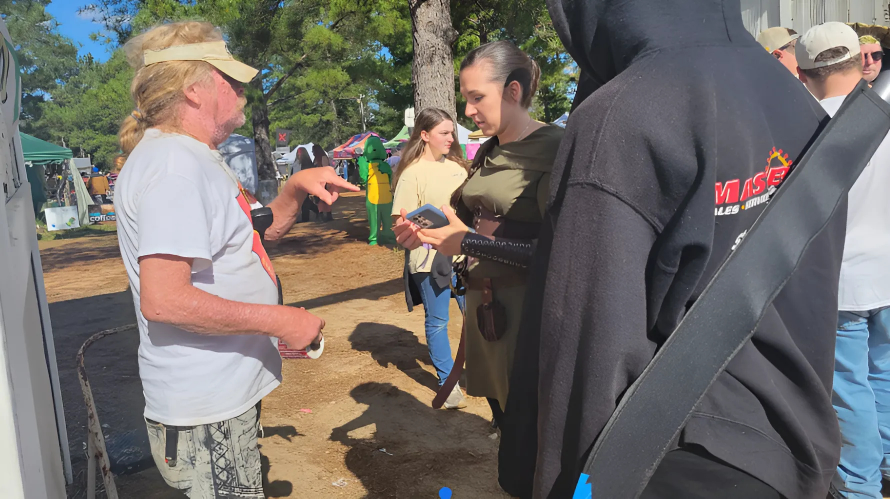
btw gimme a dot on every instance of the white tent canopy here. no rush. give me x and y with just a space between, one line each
463 135
290 157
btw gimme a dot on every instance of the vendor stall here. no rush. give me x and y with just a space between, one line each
474 141
347 149
401 137
40 154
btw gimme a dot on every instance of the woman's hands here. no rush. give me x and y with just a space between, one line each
445 240
406 232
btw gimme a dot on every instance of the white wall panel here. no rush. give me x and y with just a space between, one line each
863 11
801 15
757 15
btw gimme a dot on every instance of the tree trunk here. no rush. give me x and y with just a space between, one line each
433 69
259 117
335 126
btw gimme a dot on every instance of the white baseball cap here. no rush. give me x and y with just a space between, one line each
776 38
826 36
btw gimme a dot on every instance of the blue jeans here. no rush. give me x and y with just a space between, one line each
862 400
435 311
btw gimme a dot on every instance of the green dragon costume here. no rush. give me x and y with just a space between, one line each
376 174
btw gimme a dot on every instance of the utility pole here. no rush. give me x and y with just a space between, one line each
361 106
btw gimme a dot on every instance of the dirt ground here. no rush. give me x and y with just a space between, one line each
369 430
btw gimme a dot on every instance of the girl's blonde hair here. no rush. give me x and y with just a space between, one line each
426 121
157 89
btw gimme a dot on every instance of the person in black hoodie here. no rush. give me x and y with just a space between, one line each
683 128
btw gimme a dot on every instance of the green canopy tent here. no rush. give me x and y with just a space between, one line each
39 153
402 136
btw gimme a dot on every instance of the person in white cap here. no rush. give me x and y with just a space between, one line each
780 42
204 289
831 67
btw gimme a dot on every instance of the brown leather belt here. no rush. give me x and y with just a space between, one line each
456 370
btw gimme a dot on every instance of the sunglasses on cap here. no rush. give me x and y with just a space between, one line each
875 56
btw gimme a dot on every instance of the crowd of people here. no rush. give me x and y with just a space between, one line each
830 60
573 254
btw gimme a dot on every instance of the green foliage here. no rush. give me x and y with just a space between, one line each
85 113
317 59
46 58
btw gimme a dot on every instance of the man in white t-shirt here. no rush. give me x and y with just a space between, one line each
831 67
204 289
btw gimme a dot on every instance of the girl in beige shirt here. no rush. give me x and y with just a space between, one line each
431 169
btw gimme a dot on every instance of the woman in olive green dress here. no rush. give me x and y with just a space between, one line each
503 200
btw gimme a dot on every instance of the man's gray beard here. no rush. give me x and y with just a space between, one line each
227 129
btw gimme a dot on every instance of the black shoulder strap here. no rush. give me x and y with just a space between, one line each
657 406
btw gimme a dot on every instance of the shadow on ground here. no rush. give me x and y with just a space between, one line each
370 292
392 345
403 457
83 252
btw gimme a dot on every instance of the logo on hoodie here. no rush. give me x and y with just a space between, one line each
736 195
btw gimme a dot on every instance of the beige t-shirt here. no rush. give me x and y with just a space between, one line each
426 182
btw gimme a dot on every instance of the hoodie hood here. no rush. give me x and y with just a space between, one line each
606 36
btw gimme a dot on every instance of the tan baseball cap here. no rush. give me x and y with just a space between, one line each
776 38
826 36
214 53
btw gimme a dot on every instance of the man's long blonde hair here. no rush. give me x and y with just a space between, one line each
157 89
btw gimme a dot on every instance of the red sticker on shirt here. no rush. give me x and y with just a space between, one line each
257 243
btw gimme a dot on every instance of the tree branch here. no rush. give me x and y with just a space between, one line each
299 62
287 75
336 23
279 100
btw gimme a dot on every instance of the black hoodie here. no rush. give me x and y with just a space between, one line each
688 111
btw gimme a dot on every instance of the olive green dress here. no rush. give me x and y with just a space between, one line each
514 183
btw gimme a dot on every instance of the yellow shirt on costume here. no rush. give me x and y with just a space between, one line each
379 191
426 182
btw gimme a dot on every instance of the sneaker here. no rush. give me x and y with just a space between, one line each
455 400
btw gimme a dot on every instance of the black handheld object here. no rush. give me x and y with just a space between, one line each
262 220
428 217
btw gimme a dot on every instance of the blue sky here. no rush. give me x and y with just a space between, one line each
78 27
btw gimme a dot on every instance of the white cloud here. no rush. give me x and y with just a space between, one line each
90 13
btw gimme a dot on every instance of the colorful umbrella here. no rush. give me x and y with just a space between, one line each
347 150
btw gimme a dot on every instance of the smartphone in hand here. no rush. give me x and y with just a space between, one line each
428 217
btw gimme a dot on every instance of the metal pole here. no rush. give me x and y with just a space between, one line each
361 106
91 468
94 429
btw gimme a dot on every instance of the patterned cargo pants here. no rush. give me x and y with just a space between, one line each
213 461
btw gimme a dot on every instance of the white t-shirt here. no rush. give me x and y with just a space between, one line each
865 272
176 196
